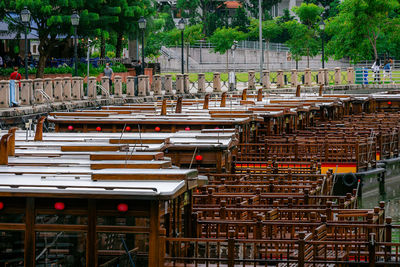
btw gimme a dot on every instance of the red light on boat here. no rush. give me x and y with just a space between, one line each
1 205
187 129
98 128
70 127
199 157
59 206
122 207
157 129
217 128
389 102
128 129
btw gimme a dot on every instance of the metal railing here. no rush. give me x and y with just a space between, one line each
244 45
367 76
369 63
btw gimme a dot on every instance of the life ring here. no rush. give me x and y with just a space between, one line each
349 180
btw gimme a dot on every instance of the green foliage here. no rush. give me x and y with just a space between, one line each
270 29
252 5
59 70
223 38
309 14
110 54
283 35
304 35
360 27
240 20
110 20
191 35
197 11
213 22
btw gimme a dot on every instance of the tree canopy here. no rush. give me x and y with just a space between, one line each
304 35
360 26
223 38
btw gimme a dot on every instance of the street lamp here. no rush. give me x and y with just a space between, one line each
181 26
322 28
75 23
260 36
142 27
26 18
232 76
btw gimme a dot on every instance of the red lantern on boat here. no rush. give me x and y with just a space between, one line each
187 128
59 206
98 128
157 129
1 205
70 127
128 129
389 103
122 207
199 157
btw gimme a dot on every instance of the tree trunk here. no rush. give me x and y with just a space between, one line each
102 47
118 47
41 65
375 51
44 51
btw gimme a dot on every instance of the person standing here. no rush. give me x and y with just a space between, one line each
15 76
108 72
387 71
376 68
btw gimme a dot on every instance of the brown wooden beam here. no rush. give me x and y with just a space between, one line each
154 234
29 243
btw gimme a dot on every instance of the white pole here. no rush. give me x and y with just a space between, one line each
260 36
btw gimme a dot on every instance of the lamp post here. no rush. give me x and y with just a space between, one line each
142 27
232 76
322 28
75 23
25 18
88 57
181 26
260 36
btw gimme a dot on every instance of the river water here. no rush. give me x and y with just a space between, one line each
390 193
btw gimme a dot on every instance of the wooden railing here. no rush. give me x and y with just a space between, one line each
309 249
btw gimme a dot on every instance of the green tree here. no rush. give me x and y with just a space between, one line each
191 35
252 6
166 15
214 21
51 21
198 11
358 27
283 36
155 37
127 14
304 34
270 30
330 6
240 20
223 39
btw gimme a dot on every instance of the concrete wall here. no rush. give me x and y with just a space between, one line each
205 60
